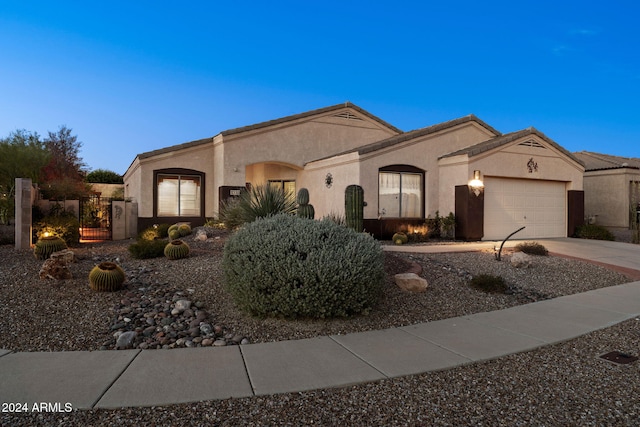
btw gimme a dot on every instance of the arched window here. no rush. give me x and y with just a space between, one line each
401 192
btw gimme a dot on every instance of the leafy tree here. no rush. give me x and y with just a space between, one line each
22 155
104 176
64 174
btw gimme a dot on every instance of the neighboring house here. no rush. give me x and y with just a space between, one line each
529 180
611 188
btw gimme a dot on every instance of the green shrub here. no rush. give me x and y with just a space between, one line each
441 226
336 218
66 226
489 283
144 249
532 248
260 202
594 232
292 267
163 231
214 223
150 233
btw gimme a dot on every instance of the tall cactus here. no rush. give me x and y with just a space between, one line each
354 207
305 210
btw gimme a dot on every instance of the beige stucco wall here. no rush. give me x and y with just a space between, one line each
344 170
508 161
139 178
279 151
607 195
422 153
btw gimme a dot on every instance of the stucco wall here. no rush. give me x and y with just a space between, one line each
422 153
344 170
199 158
607 195
511 162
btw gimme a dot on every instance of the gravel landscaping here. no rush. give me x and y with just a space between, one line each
563 384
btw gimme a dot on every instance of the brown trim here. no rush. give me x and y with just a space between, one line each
178 171
406 169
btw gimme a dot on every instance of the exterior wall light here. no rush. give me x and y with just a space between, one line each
476 183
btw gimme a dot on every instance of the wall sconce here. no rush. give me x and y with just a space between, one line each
476 183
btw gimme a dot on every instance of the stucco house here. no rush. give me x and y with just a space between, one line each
522 178
611 188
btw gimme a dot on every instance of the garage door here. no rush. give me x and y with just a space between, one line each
509 204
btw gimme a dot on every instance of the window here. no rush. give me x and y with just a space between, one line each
179 195
289 187
400 193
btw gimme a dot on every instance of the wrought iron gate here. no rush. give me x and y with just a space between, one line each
95 218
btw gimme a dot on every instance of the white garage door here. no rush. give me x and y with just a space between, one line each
509 204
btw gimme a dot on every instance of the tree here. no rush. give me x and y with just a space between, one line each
104 176
22 155
64 175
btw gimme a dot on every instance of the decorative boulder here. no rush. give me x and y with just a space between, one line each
411 282
67 256
521 260
201 235
55 269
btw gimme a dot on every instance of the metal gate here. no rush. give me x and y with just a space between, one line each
95 218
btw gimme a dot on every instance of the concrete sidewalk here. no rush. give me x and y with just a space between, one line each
113 379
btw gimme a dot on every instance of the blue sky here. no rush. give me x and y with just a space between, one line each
135 76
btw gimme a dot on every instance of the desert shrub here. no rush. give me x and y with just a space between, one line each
532 248
489 283
336 218
65 225
292 267
150 233
260 202
144 249
214 223
441 226
163 231
594 232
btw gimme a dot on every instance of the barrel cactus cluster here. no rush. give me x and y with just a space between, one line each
46 245
177 231
106 277
176 249
400 238
305 210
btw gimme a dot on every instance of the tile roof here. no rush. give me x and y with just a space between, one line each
501 140
267 124
309 114
598 161
406 136
175 148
